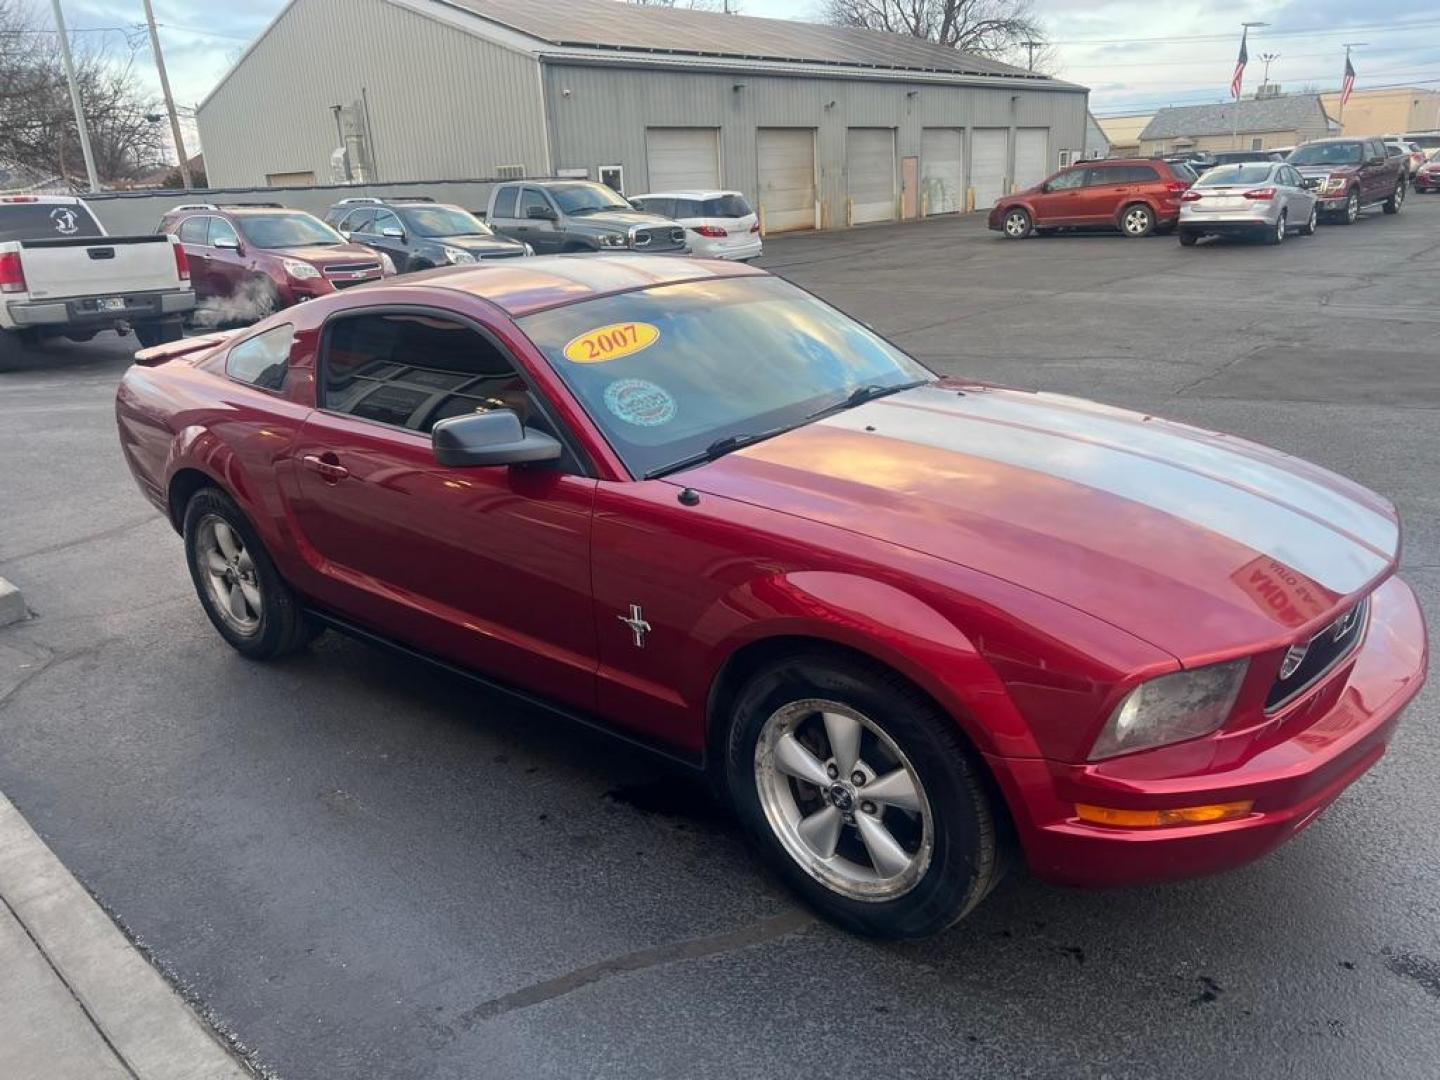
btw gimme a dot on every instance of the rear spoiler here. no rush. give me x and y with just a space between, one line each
173 350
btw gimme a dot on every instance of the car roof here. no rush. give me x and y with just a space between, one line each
525 286
48 200
706 193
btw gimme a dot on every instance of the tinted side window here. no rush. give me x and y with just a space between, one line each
726 206
261 360
220 229
1068 181
410 370
384 219
505 202
685 208
1096 177
358 221
663 207
192 230
532 197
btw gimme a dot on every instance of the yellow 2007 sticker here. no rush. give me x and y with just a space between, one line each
611 342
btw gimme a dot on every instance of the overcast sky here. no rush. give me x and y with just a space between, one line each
1135 55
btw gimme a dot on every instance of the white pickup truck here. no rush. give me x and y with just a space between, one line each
62 276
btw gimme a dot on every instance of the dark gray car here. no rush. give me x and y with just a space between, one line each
577 215
419 233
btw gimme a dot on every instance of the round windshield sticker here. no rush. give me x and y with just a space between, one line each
66 221
640 402
611 342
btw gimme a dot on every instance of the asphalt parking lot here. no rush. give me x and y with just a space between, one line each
359 868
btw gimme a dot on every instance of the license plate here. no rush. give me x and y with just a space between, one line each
111 303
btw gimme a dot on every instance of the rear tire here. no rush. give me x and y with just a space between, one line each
1188 239
241 591
909 791
1276 235
1017 225
1137 220
159 332
1393 204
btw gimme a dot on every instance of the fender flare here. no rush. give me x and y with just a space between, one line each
198 449
880 621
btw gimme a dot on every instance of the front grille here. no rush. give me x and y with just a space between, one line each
503 254
352 268
1321 653
343 284
658 238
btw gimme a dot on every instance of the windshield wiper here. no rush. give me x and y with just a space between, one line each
861 394
718 448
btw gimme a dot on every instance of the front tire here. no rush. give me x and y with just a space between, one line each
1016 225
862 796
1351 212
1313 222
1137 220
240 589
1397 199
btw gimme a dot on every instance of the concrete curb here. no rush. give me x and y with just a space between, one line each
12 604
116 999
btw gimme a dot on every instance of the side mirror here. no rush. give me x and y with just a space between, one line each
393 233
229 243
490 438
1045 188
540 213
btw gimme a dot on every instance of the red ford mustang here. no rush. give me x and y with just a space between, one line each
904 621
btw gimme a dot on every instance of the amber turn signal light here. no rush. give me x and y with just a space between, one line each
1184 815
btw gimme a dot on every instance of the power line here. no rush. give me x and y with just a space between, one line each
1140 105
1188 38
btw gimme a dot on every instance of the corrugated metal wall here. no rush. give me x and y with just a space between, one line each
443 103
598 116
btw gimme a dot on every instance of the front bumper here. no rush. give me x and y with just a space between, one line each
1333 204
1427 181
85 311
1305 756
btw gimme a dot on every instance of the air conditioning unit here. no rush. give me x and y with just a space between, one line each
1268 90
509 172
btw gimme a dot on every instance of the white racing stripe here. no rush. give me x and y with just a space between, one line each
1205 485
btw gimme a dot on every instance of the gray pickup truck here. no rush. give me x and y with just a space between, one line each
577 215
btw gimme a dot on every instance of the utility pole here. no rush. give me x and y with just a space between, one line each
1245 28
1030 47
75 97
169 100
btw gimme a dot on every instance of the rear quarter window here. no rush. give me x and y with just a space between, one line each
46 221
505 202
262 360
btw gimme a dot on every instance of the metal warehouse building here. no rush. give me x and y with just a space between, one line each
820 126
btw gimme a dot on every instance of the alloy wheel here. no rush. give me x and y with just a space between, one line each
1016 224
844 800
1352 207
1314 222
229 575
1137 221
1280 228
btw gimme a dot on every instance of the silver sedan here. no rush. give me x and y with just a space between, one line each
1264 200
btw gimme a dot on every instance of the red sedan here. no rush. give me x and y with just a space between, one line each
903 620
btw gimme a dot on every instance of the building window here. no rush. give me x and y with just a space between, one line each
613 176
1065 158
1257 144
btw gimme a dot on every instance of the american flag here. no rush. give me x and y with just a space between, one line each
1348 83
1239 76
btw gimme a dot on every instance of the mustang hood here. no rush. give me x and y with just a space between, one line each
1191 540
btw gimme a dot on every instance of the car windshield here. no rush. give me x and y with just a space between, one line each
1235 174
46 221
1345 153
670 372
445 221
586 198
287 231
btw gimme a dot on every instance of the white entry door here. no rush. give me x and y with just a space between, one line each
942 171
1032 156
989 150
870 174
682 159
786 159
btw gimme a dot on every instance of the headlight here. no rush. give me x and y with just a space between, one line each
458 256
300 271
1184 705
529 250
387 265
1334 183
612 240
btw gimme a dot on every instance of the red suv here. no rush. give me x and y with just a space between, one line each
247 261
1137 197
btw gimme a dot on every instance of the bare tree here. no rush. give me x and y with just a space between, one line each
994 28
37 121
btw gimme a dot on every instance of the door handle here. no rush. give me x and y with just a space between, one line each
328 466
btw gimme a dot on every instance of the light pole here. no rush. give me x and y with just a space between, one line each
1245 28
1268 59
169 101
75 98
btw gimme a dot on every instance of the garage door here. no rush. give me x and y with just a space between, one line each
1032 156
787 177
942 171
682 159
988 151
870 174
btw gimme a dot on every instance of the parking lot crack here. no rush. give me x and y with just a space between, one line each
756 933
88 538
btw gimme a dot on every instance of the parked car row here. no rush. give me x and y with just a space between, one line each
1257 197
